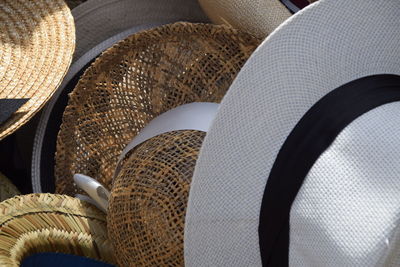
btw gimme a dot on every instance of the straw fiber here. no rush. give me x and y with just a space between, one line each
37 41
259 17
51 223
7 188
149 197
136 80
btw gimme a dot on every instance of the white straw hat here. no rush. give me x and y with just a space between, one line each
99 25
301 165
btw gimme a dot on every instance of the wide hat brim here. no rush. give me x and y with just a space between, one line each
37 44
99 25
136 80
51 223
257 17
324 46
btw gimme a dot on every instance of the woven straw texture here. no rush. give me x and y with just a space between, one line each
317 50
149 198
259 17
74 3
37 42
7 188
135 81
51 223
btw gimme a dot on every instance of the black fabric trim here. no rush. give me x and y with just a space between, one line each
9 106
314 133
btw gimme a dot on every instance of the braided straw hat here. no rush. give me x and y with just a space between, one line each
38 223
301 164
136 80
37 42
99 25
259 17
7 188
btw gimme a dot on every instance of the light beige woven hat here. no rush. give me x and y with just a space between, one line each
259 17
136 80
51 223
37 42
7 188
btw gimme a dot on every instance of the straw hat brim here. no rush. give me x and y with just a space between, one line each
99 25
36 51
37 223
258 17
136 80
324 46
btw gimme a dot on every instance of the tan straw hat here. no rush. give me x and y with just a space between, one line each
37 41
7 188
135 81
259 17
51 223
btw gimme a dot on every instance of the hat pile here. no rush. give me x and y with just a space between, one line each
174 142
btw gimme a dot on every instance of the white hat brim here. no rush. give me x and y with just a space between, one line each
321 48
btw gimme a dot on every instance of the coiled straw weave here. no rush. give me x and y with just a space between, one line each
51 223
149 198
37 41
136 80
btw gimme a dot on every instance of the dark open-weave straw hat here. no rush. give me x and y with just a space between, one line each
136 80
37 42
99 25
146 214
39 223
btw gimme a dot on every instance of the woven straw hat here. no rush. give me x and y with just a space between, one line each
149 196
259 17
36 46
99 25
300 166
51 223
7 188
136 80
